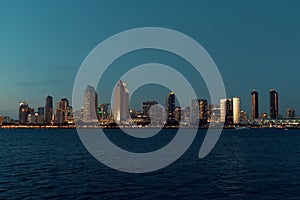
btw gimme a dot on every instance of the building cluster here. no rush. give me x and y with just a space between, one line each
197 113
46 115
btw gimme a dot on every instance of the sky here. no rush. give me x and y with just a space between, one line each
255 45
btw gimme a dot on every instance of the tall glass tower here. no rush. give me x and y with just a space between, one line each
170 107
273 104
48 110
254 105
90 104
236 110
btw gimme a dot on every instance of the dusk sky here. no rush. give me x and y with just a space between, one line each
255 44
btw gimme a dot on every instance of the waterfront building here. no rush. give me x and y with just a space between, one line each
186 114
254 105
48 110
147 105
121 102
198 111
62 111
178 114
41 115
213 113
236 110
104 111
290 113
203 111
273 104
24 111
90 104
157 114
170 107
226 111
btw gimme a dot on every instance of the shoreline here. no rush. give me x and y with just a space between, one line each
131 127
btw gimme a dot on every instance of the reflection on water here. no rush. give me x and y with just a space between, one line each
245 164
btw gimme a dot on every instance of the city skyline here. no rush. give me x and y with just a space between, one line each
199 110
252 49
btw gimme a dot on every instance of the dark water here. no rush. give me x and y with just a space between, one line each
245 164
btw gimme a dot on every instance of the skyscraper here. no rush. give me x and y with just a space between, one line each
203 111
48 110
254 103
121 102
194 111
226 111
104 111
24 111
273 104
62 110
236 110
90 104
170 107
178 114
147 105
41 115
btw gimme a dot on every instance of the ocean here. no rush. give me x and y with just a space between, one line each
245 164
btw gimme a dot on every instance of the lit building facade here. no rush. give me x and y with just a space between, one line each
236 110
254 105
90 104
170 107
178 114
62 111
24 111
147 105
41 115
48 110
290 113
274 111
226 111
121 102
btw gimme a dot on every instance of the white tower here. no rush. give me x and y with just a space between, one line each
223 109
236 110
121 102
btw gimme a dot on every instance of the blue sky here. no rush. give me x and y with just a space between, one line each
255 44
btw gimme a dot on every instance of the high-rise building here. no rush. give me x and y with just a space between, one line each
273 104
186 114
121 102
178 114
254 103
24 111
90 104
104 111
214 113
157 115
226 111
290 113
62 111
41 115
170 107
194 111
147 105
203 111
236 110
48 110
198 111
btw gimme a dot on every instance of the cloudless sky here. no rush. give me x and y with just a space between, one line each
255 44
